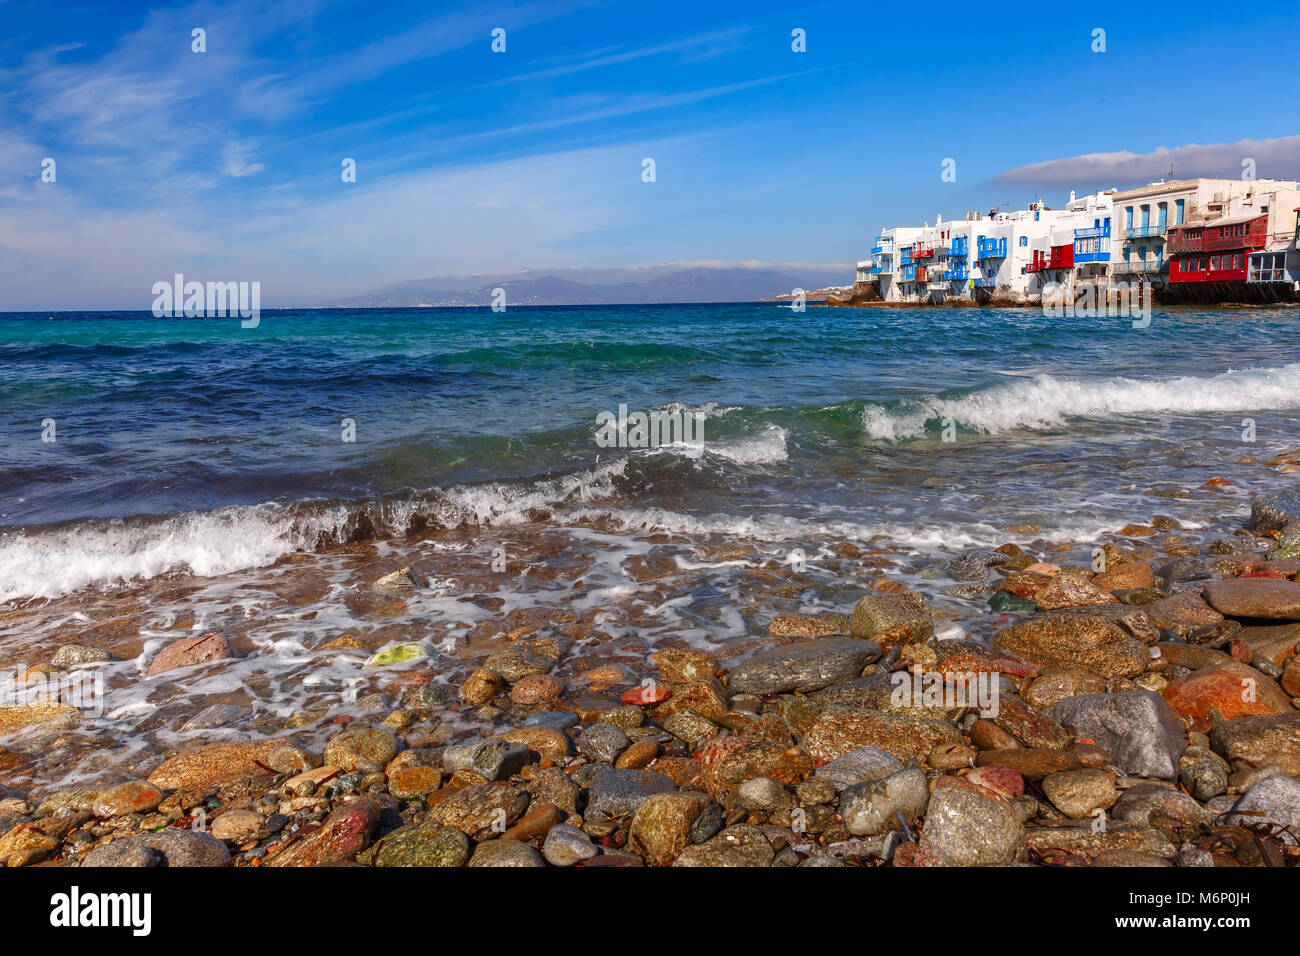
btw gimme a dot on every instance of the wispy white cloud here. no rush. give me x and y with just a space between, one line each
67 254
235 159
702 46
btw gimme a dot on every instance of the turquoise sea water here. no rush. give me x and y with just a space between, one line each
830 418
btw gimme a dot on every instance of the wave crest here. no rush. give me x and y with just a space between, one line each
1044 402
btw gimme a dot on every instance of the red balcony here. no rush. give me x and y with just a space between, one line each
1185 239
1251 234
922 274
1062 257
1039 262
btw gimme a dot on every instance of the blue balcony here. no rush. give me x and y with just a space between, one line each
955 275
985 283
1098 256
905 259
959 248
1094 232
991 248
1143 232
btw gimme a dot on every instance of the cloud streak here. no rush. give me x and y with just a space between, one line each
1277 158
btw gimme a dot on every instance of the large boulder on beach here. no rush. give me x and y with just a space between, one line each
1231 690
1138 729
362 748
1274 799
189 651
1075 641
479 808
966 828
840 730
1182 612
169 847
1255 597
227 762
803 667
876 806
1260 741
661 828
892 618
1071 590
1274 512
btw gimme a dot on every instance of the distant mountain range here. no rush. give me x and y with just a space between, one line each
638 286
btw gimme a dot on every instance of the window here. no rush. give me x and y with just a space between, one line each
1128 218
1163 216
1024 240
1179 206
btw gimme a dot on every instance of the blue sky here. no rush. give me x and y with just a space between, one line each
226 164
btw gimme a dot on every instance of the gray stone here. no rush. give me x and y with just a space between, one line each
859 766
709 823
1204 779
1277 798
964 828
762 794
1182 570
974 565
431 696
1136 728
492 759
615 793
217 715
1152 805
875 807
174 847
1274 512
602 741
566 845
804 667
555 719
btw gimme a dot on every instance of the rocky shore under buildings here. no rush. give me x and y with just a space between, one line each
1143 713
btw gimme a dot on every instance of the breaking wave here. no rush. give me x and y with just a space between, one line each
52 561
1044 402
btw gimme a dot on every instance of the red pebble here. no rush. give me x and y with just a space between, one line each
646 696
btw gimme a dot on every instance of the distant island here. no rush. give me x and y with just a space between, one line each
641 286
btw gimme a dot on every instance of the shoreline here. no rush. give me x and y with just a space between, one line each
551 744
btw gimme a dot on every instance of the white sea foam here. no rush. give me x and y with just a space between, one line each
1047 402
51 562
765 447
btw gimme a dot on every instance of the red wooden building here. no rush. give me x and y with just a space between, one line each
1215 251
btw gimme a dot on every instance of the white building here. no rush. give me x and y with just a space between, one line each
1005 255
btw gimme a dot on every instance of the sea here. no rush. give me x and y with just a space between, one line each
163 477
